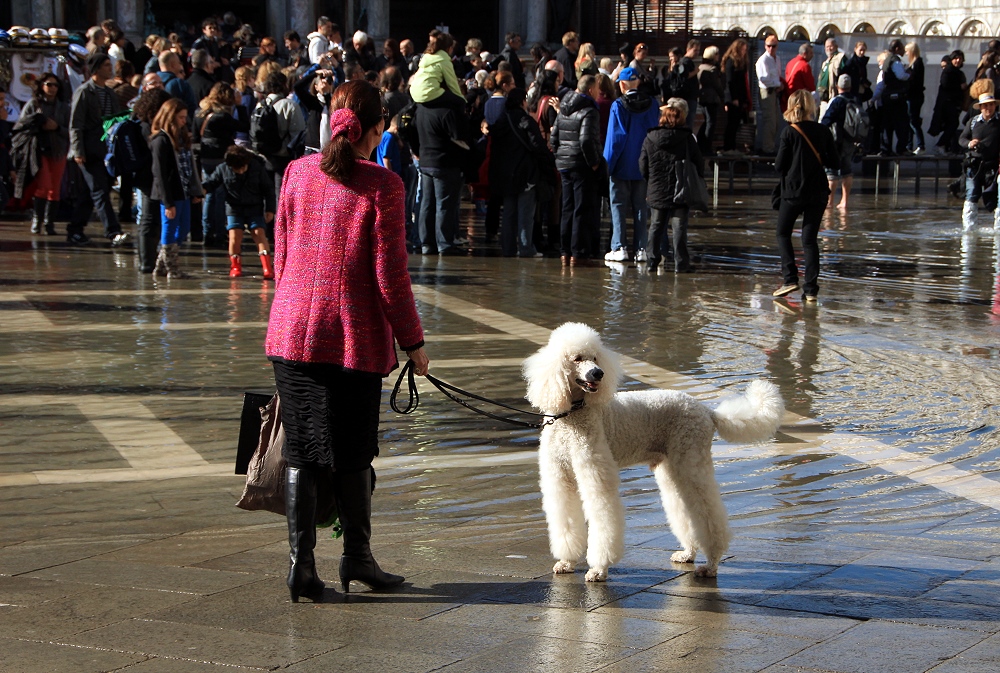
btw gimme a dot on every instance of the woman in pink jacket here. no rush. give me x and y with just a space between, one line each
342 297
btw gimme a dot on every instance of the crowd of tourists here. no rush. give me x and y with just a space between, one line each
195 137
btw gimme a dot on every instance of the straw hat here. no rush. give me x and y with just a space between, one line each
983 99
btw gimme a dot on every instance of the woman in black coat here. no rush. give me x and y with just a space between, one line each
665 146
517 155
805 149
145 109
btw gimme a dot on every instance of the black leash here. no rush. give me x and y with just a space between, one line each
452 392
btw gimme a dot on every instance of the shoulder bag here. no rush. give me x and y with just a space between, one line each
691 189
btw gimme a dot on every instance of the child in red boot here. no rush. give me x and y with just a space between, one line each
249 202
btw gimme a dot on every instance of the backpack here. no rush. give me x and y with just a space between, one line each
856 123
407 124
127 148
265 135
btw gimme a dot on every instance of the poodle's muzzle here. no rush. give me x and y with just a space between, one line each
589 377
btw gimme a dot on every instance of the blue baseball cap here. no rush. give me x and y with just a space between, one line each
628 74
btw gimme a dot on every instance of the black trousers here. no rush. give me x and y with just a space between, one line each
707 131
895 121
149 231
735 117
580 203
812 215
677 219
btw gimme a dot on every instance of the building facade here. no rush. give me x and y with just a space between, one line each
815 20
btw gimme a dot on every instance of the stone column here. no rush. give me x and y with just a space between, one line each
538 22
512 17
131 17
41 14
277 18
378 21
302 17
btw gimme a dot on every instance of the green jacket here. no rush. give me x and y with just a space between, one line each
436 73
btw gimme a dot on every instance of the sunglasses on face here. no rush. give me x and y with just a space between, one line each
771 46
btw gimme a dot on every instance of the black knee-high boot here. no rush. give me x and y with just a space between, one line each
354 505
38 215
300 510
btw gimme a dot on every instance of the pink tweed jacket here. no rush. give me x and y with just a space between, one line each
342 291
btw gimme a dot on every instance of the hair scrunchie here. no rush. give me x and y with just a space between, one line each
344 122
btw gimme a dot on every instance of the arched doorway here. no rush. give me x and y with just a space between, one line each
797 34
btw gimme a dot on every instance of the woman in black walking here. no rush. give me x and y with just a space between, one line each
805 149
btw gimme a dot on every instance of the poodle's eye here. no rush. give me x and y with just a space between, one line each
578 358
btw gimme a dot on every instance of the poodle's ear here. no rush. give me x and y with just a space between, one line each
610 362
547 374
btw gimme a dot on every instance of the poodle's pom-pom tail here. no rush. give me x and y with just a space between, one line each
751 417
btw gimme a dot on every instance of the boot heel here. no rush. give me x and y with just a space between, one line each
345 586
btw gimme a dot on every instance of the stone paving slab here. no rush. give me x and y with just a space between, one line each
706 649
540 654
94 607
718 615
361 659
880 647
203 643
22 656
145 576
592 627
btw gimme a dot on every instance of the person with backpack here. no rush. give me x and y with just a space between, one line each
849 124
277 126
517 158
665 148
54 136
249 194
92 102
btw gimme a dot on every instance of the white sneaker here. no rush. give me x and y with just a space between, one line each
918 151
640 255
619 255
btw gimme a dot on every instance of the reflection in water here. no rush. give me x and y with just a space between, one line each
794 374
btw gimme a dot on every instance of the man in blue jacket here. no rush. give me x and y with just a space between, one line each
172 75
632 116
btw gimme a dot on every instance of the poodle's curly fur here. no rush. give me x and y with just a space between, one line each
581 454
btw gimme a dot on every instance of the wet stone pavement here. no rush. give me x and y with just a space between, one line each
866 537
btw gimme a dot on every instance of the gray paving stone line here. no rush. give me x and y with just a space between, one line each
148 657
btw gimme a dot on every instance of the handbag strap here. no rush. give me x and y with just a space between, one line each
205 124
811 146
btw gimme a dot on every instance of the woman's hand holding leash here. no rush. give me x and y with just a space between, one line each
420 361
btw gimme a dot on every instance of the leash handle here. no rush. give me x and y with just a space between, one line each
448 389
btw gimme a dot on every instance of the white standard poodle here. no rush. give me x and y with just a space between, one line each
603 431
